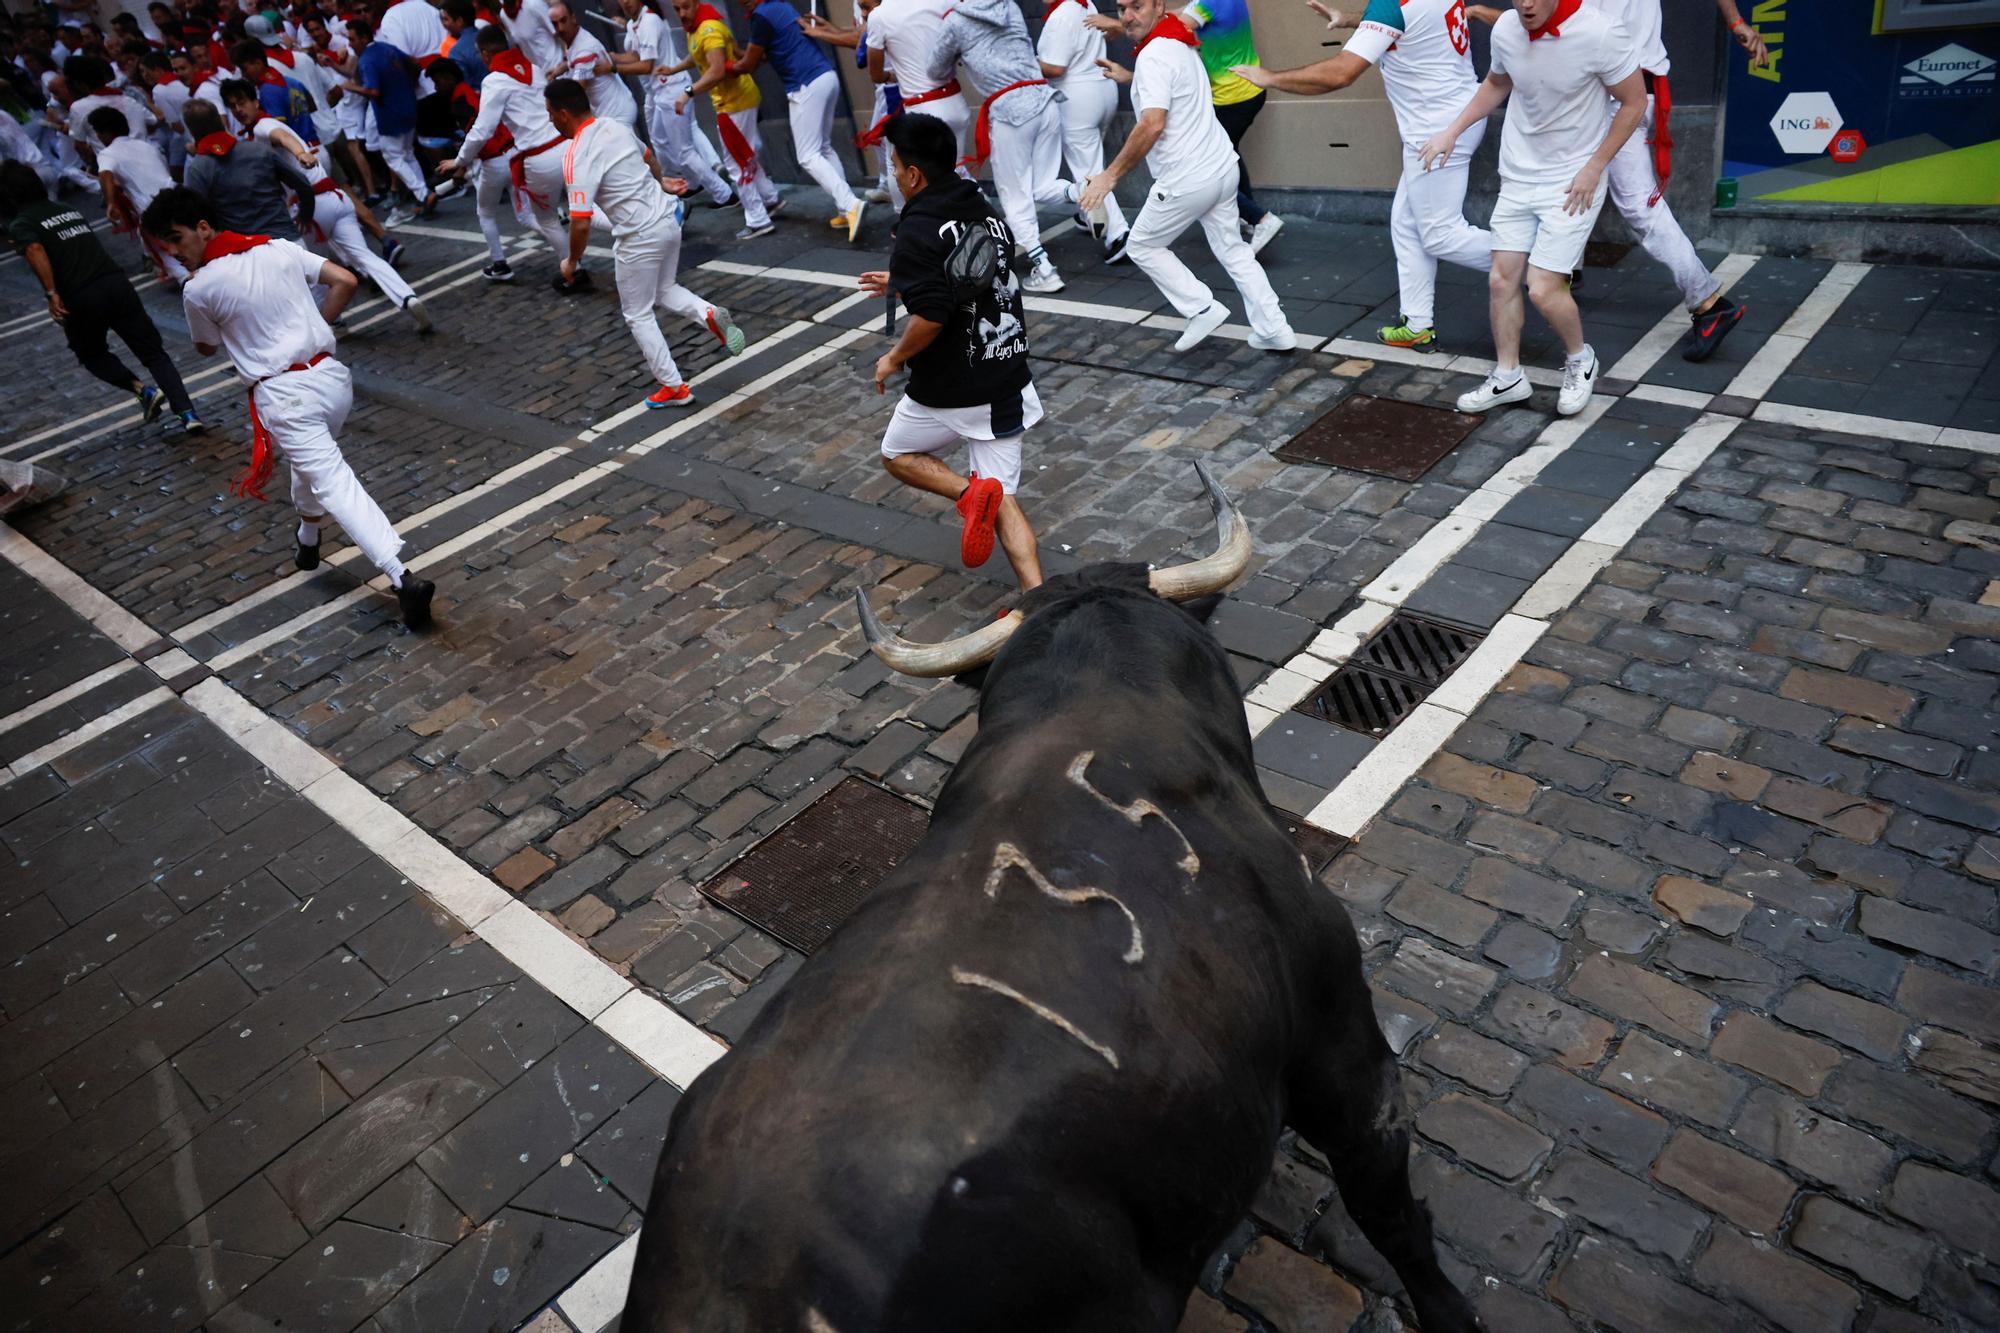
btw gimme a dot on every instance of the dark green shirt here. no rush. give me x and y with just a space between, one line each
75 256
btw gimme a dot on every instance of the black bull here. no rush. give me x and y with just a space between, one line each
1034 1081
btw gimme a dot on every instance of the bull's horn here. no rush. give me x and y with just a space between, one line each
1214 572
934 659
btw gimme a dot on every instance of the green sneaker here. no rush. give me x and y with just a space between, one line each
1402 335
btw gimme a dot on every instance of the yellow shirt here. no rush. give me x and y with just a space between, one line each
737 93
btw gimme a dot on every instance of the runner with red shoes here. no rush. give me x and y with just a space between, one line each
964 345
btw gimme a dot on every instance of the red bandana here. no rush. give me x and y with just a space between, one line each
1553 28
484 15
219 144
702 14
272 78
165 79
512 63
106 91
281 55
1054 5
1171 28
201 76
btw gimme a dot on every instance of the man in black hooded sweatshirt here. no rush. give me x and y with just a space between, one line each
967 356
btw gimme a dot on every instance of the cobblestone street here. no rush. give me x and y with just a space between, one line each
350 975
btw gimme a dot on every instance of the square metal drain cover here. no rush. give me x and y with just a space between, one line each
1384 436
1391 674
1317 845
805 879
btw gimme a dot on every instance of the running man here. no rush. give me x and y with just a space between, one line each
675 135
1195 176
604 167
902 34
1557 140
712 50
386 76
1424 52
586 60
967 354
1069 50
888 96
252 296
88 296
811 88
510 100
131 171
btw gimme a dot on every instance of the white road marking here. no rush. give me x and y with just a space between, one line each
22 716
1783 347
89 731
1885 428
1664 336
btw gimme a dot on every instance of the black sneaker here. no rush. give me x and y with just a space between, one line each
1708 329
307 557
392 251
499 271
1575 281
733 201
570 286
1114 249
414 597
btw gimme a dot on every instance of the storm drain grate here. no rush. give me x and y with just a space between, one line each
1391 674
1316 845
1380 435
800 883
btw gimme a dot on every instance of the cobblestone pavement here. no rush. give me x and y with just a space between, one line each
1681 915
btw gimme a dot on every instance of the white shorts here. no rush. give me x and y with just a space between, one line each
1529 219
916 429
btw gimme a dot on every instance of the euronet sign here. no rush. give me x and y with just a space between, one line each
1951 67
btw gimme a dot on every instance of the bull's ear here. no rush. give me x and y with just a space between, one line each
1201 608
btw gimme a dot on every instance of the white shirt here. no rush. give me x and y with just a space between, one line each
318 80
648 38
590 64
413 27
1641 21
1424 52
505 100
258 307
605 167
1068 41
268 128
534 34
1557 115
137 119
138 168
907 32
1193 147
170 97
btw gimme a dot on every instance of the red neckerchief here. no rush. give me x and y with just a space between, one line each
1553 28
165 79
272 79
106 91
201 76
1171 28
702 14
484 15
219 144
513 64
281 55
1054 5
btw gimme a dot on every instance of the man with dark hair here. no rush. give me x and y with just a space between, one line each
387 77
605 168
88 296
461 20
131 171
252 296
244 182
510 102
90 87
965 348
286 99
811 87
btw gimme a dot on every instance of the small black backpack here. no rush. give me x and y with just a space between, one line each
973 263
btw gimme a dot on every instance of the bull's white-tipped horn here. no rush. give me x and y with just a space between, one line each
1211 573
934 659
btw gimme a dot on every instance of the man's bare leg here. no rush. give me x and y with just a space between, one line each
1503 297
927 472
1551 295
358 156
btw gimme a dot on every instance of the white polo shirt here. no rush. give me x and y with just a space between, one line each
907 31
590 64
505 100
1193 147
1068 41
137 119
138 168
258 307
1558 114
605 167
1424 52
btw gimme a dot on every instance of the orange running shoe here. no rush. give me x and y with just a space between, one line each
670 395
979 507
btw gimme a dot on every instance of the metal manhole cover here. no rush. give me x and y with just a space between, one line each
1605 254
1317 845
805 879
1380 435
1391 674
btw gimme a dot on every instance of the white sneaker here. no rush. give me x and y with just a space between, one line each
853 219
1042 278
1496 392
877 196
1203 324
414 308
1579 378
1282 341
1267 228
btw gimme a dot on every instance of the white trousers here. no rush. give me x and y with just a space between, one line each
811 110
1169 211
400 152
1632 183
303 410
334 215
1427 224
647 268
1026 163
681 146
754 184
953 111
1086 116
885 176
490 183
543 173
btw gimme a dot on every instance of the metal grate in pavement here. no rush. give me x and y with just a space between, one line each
800 883
1317 846
1380 435
1391 674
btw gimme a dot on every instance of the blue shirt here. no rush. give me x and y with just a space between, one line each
291 103
385 69
465 54
774 25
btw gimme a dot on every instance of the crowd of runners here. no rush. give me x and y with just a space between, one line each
260 155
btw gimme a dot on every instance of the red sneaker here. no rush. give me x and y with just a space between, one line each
979 507
670 395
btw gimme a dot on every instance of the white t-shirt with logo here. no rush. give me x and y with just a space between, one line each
258 307
1068 41
605 167
138 168
1193 147
1558 114
1424 52
907 31
1641 21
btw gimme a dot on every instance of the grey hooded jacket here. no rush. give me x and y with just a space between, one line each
990 38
